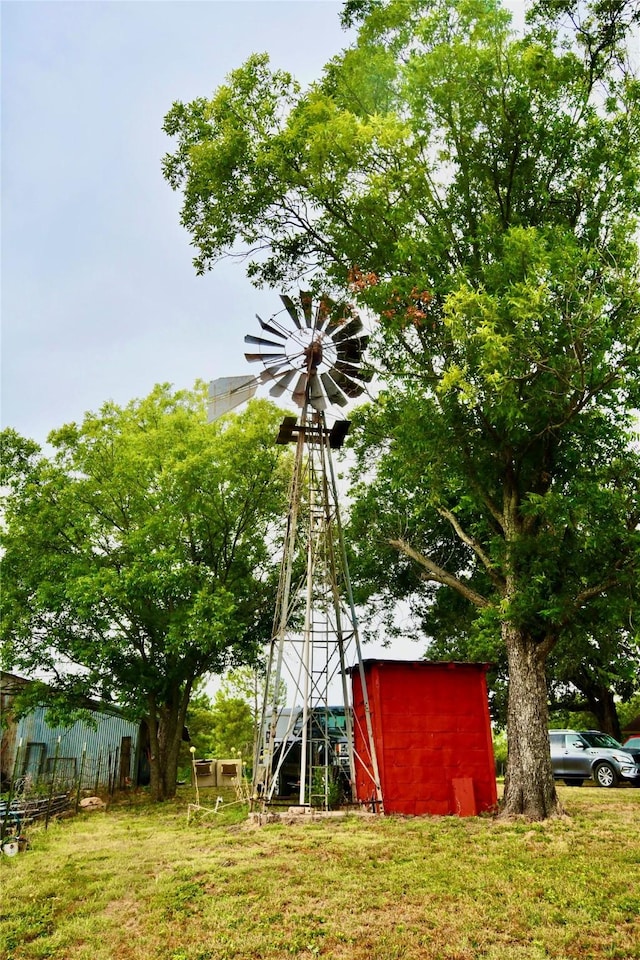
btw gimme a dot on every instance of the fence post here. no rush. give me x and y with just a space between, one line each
82 763
53 780
15 763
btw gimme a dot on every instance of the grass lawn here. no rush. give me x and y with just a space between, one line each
140 883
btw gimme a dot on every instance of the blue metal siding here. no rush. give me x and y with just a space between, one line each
102 746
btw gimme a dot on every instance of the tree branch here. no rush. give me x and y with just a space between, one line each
473 544
433 572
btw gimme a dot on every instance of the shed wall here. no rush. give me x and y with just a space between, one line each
432 735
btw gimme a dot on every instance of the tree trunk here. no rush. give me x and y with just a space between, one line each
155 784
529 788
602 705
607 715
166 724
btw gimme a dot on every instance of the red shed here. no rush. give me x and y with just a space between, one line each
432 735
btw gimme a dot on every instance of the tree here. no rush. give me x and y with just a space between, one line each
595 659
478 192
233 727
595 664
596 671
630 711
139 557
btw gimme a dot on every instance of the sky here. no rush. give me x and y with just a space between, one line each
100 300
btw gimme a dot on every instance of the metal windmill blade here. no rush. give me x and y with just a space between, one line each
255 357
307 308
333 391
350 330
300 391
270 328
283 383
317 395
273 370
262 341
352 349
356 372
339 318
346 384
326 307
291 309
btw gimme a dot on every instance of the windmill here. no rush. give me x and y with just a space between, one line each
314 353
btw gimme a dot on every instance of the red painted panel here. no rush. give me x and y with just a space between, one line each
432 735
464 796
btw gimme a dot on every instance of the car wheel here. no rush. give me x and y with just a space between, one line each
574 783
605 776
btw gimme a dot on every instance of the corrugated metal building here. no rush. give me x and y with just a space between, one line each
107 752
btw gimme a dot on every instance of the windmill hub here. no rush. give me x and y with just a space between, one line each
309 351
313 355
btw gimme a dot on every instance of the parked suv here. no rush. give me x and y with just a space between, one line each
579 755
